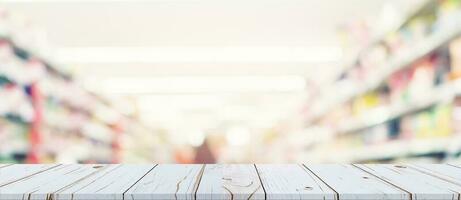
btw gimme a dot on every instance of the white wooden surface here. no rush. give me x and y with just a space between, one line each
143 182
108 183
4 165
168 182
12 173
450 173
43 185
230 182
351 182
420 185
292 182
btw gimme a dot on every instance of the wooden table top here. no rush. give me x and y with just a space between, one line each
230 181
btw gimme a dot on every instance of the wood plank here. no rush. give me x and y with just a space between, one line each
168 182
420 185
292 182
108 183
446 172
12 173
351 182
5 165
222 181
43 185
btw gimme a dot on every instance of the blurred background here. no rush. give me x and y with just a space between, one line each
205 81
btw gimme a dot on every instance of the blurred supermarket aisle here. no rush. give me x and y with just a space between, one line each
185 81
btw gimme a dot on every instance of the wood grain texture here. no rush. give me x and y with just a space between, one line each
43 185
12 173
108 183
230 182
168 182
292 182
351 182
420 185
5 165
142 182
450 173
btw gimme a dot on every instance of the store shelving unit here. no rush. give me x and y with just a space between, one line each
442 147
441 94
57 120
417 9
395 64
35 96
362 130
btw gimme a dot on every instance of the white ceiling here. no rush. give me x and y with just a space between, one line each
195 22
215 24
194 25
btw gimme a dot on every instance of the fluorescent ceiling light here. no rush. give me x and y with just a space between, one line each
238 136
154 103
171 85
198 54
196 138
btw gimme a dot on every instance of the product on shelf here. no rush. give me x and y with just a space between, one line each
13 141
456 116
367 102
388 58
455 56
400 91
15 103
46 117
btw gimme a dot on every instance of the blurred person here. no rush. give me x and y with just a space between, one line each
204 154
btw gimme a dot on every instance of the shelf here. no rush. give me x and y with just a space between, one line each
5 80
383 114
14 118
397 149
61 106
417 9
395 64
25 55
